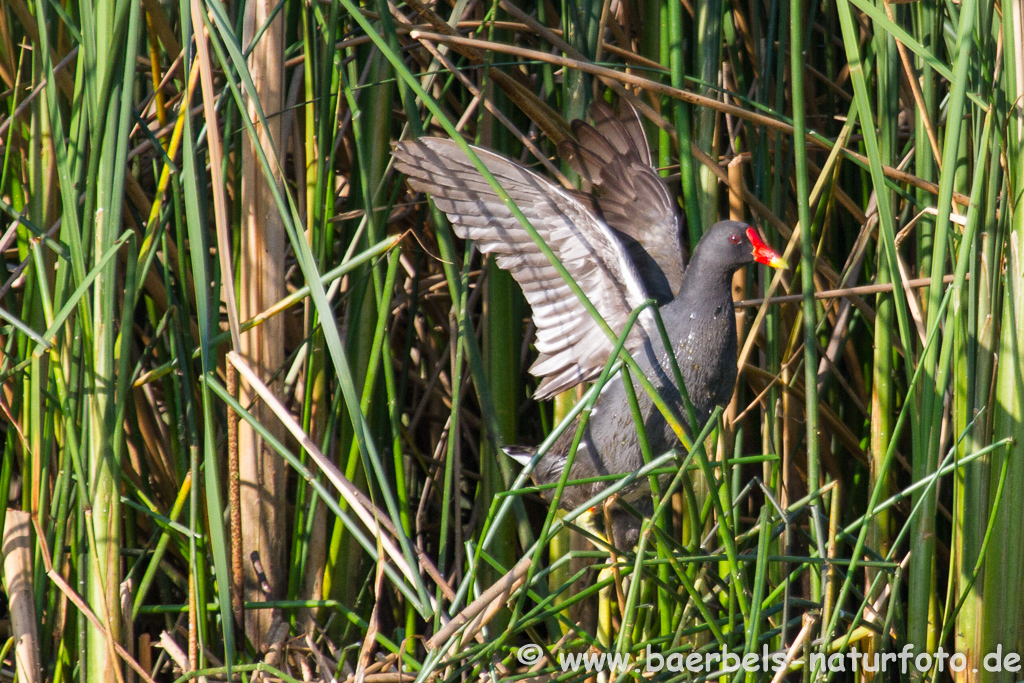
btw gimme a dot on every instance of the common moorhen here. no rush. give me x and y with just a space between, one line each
621 247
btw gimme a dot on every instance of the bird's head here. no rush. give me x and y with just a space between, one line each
732 244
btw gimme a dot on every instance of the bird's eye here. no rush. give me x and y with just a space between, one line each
735 239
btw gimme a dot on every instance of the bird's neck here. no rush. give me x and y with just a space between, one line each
705 281
701 302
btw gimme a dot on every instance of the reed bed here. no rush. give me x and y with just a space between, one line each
254 391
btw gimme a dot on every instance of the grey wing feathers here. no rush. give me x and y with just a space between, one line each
571 344
613 156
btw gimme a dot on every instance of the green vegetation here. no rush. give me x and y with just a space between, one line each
193 227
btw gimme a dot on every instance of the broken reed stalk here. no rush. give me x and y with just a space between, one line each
916 283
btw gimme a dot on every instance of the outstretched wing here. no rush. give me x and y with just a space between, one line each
572 347
613 156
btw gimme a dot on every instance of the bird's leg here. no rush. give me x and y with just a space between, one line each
609 502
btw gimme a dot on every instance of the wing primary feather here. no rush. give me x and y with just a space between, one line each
631 196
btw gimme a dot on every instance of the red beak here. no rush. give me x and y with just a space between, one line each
762 252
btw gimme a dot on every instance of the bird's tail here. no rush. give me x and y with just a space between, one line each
521 454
